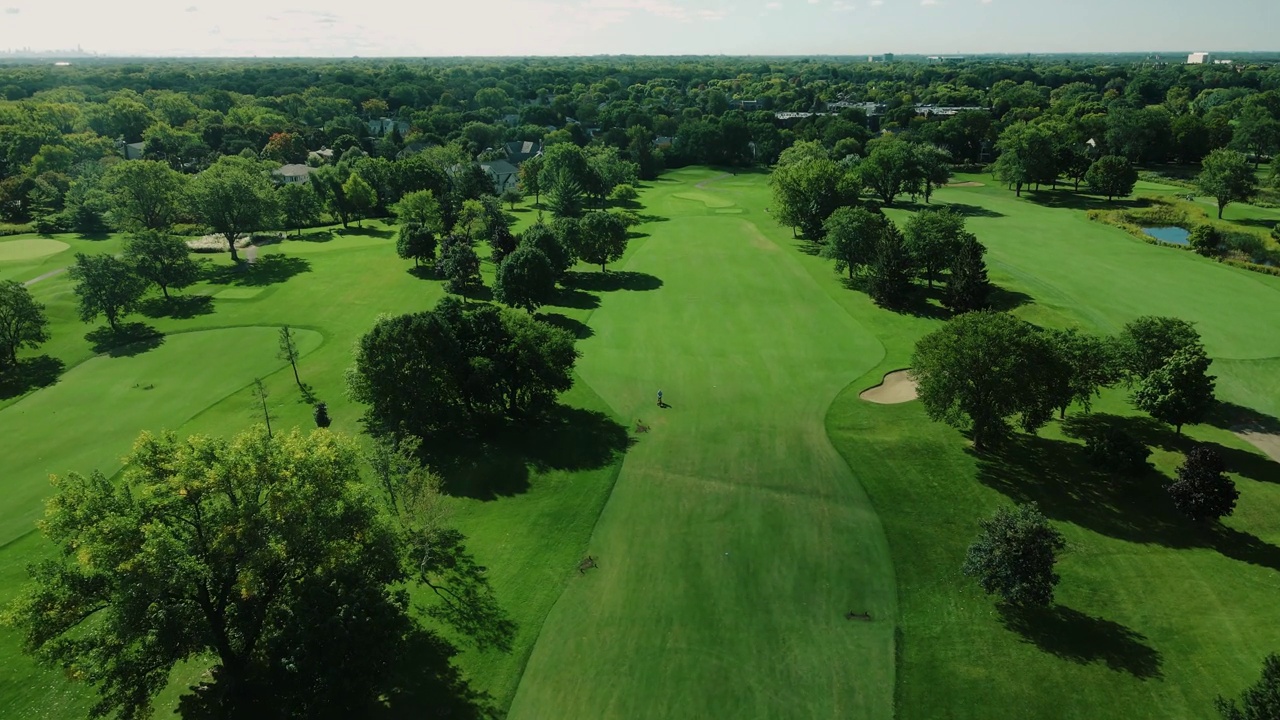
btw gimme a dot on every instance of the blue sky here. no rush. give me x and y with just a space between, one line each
652 27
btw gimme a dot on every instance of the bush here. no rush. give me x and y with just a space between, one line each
322 415
1205 240
1117 451
1275 232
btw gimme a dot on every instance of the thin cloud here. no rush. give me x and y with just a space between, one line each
12 11
192 8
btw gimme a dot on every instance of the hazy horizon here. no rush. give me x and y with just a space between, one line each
552 28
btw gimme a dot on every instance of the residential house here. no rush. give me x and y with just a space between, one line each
293 174
518 152
131 151
663 142
382 126
504 175
323 155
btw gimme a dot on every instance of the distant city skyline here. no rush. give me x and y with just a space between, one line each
332 28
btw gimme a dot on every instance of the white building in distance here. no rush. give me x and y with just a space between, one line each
1198 58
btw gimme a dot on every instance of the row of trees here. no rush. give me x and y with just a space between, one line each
113 287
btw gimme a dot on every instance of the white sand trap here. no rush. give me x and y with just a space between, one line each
897 387
970 183
1268 443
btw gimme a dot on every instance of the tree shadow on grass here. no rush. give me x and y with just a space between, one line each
967 210
423 272
178 307
1238 418
1083 639
570 297
1057 475
612 281
1071 200
499 464
129 340
1005 300
429 685
809 248
29 374
1256 222
268 270
577 328
319 236
367 232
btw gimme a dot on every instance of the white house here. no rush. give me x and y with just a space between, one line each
503 174
293 174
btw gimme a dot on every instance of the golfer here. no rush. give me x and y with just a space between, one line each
659 398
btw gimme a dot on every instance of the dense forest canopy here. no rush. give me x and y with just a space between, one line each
62 127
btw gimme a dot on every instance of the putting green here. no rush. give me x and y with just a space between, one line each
105 402
708 199
736 538
30 248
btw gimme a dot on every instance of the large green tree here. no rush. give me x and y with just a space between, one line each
419 207
268 556
1201 489
968 288
890 169
1085 364
235 198
162 259
459 265
808 187
933 237
459 368
361 196
1179 392
145 194
1112 176
299 206
851 235
107 286
525 279
1014 556
23 323
551 242
1147 342
417 242
1028 154
891 269
980 370
1226 176
602 238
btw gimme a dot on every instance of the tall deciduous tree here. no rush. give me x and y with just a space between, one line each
1028 154
890 169
459 265
530 178
932 166
22 322
299 206
107 286
1085 364
808 187
525 279
361 197
602 239
933 237
235 198
552 244
162 259
1179 392
1201 489
1226 176
265 554
1014 556
851 237
981 369
419 207
417 242
1112 176
146 194
1147 342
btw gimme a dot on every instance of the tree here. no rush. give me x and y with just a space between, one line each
530 178
460 265
289 351
525 279
328 182
1148 342
322 415
1205 240
931 163
1084 365
932 238
1201 490
265 554
890 169
1226 176
1179 392
1112 176
602 239
145 194
417 242
981 369
511 196
1028 154
565 177
235 198
299 206
968 288
1014 556
361 197
851 237
502 242
891 269
1259 702
161 259
107 286
285 147
551 242
624 193
22 322
808 187
459 368
420 208
1256 132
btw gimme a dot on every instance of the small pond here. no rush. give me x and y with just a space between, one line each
1175 235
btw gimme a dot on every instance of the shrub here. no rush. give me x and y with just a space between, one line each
1117 451
322 415
1202 491
1205 240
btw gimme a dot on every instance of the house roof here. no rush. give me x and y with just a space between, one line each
294 170
499 167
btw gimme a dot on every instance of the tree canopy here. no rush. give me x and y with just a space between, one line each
525 279
107 286
1014 556
1201 489
1227 177
235 198
162 259
23 323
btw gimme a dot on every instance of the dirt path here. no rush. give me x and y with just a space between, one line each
251 254
45 276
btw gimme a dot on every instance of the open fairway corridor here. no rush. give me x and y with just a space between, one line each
736 538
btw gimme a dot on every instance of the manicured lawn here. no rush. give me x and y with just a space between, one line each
767 501
25 257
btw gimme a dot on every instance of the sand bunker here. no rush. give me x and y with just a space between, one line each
897 387
966 184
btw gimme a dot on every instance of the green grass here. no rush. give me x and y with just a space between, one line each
26 257
768 500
